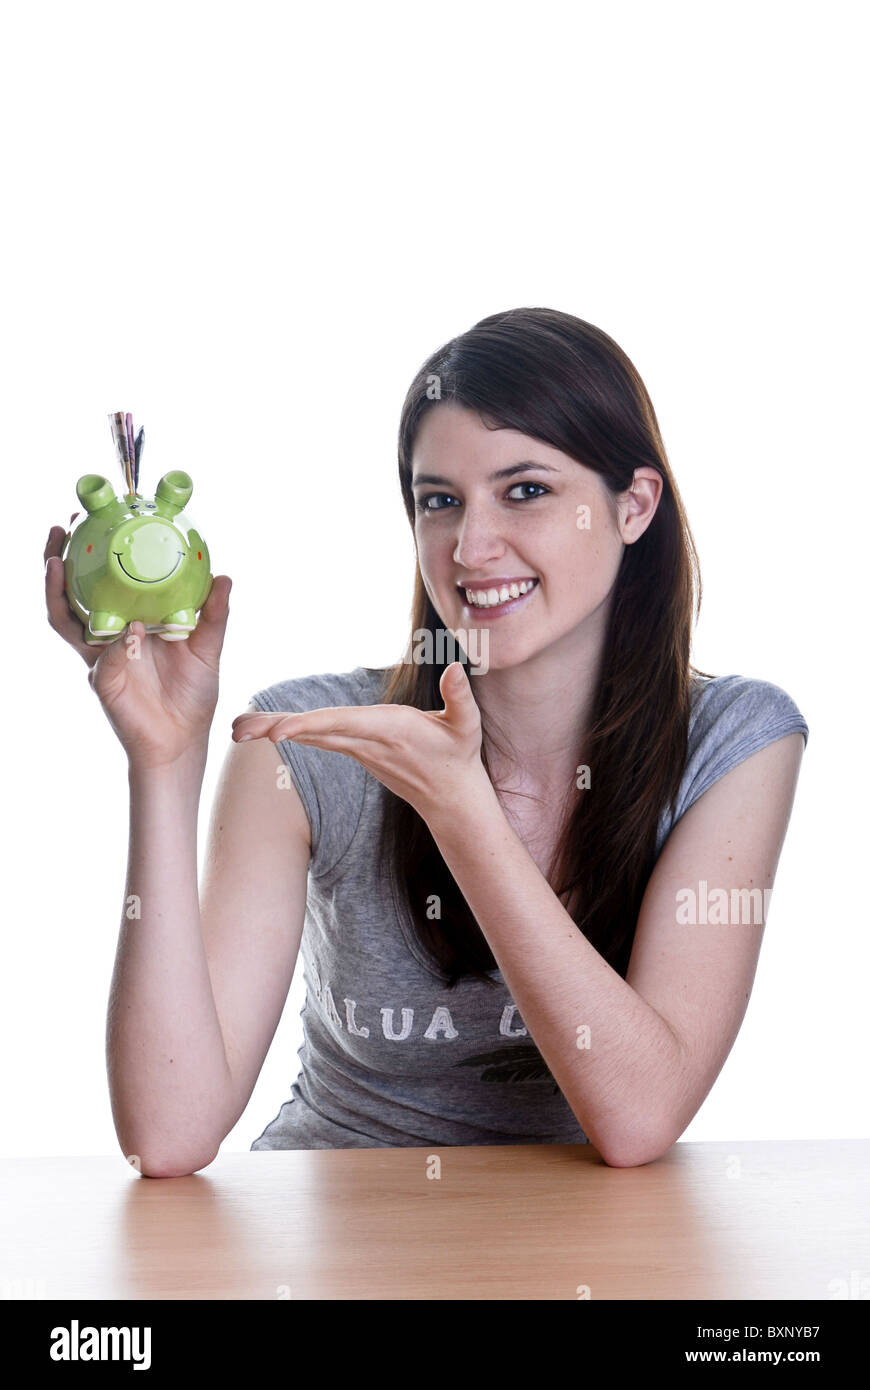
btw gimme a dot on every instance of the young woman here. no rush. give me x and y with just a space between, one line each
532 860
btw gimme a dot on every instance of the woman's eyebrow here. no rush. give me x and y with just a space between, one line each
493 477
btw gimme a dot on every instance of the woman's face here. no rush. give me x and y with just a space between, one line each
547 519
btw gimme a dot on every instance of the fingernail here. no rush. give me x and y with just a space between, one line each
242 737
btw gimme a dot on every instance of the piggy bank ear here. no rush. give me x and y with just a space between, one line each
174 491
94 492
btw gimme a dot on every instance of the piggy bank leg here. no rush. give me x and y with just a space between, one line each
177 626
104 627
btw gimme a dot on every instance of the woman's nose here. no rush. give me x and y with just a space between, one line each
478 540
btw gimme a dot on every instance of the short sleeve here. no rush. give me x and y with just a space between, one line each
330 784
732 718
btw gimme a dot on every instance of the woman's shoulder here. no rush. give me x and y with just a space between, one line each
731 710
332 785
732 717
360 686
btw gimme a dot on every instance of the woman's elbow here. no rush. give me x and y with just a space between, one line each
158 1165
635 1152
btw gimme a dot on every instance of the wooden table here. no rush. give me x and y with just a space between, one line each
751 1220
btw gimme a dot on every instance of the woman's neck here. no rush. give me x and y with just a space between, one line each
540 713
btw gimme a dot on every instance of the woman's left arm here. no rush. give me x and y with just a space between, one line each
634 1057
657 1039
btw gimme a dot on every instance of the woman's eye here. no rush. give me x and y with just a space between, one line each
538 494
426 504
423 504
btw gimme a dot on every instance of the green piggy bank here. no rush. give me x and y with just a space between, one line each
136 560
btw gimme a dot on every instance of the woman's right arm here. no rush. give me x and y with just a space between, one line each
196 994
199 985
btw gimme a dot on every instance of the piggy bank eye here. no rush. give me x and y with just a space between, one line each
199 555
88 549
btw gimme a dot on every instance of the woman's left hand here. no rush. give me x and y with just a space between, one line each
431 758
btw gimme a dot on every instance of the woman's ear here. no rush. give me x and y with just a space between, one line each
637 505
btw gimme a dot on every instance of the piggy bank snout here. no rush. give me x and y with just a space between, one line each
149 553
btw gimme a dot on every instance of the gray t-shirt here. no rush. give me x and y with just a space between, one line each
391 1057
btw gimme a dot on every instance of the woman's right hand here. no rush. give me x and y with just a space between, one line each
159 697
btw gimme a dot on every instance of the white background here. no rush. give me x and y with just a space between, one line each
250 225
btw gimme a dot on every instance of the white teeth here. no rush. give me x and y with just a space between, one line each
488 598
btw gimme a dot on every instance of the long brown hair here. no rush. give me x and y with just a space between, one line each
563 381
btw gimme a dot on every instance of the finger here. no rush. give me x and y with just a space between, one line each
54 545
60 615
460 706
258 723
207 639
280 726
364 750
374 722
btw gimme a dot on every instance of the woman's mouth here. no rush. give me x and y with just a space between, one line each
496 600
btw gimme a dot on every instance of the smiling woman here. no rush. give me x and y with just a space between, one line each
498 850
540 415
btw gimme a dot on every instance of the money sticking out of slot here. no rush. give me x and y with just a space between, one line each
137 451
129 450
